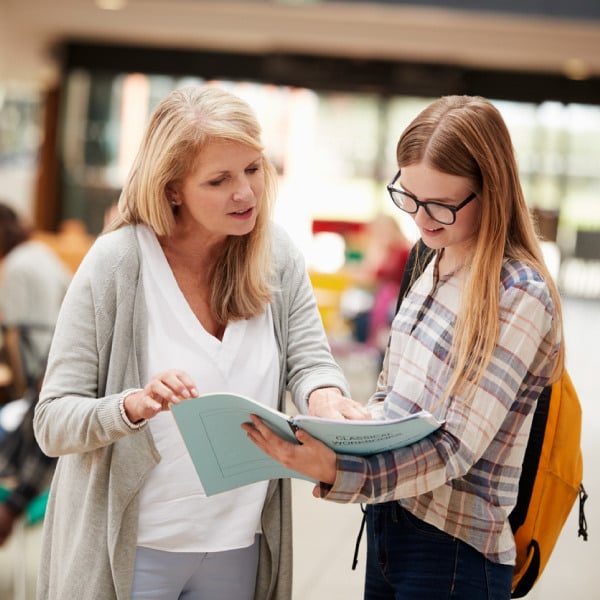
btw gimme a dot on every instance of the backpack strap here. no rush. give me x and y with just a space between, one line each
531 460
582 532
419 257
359 537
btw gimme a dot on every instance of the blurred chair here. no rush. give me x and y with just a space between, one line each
25 472
14 361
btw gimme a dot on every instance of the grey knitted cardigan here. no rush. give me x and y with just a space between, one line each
98 352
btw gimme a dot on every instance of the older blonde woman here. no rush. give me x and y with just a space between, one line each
193 290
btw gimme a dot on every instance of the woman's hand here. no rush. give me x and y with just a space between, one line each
312 457
168 387
329 403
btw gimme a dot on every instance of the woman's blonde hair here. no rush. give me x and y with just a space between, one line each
180 127
467 137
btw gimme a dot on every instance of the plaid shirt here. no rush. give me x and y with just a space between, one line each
463 478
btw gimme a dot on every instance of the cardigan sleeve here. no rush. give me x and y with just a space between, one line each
73 413
308 359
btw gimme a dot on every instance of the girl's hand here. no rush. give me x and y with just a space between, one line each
168 387
329 403
311 457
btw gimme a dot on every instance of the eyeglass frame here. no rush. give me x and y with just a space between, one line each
425 204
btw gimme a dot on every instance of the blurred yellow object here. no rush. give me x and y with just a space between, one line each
70 243
328 288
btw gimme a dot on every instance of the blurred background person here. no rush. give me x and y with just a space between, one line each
33 282
379 273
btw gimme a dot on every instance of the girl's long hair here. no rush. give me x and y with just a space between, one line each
466 136
180 127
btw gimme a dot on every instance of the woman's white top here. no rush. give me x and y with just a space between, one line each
175 513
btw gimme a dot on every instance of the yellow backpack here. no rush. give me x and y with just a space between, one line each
550 482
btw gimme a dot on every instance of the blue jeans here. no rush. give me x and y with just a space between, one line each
408 559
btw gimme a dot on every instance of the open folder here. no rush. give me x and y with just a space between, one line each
225 458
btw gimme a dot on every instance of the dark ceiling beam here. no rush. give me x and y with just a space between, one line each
573 9
327 73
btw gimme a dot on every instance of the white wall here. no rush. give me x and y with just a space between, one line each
17 187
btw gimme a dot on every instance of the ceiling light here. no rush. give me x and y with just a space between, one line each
576 69
111 4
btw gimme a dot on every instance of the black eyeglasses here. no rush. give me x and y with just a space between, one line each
442 213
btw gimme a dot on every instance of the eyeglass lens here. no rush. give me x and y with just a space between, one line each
440 213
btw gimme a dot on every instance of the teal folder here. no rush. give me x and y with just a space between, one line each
225 458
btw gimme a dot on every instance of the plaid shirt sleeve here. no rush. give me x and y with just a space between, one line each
482 430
